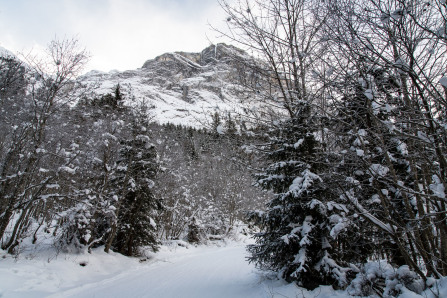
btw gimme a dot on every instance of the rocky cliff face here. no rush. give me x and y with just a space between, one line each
186 88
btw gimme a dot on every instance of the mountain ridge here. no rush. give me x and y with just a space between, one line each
185 88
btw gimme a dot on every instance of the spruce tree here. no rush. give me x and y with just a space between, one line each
136 170
375 161
118 99
303 220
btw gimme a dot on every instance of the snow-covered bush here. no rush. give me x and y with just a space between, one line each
86 225
75 229
382 279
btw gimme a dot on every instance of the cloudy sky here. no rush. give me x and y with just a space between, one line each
119 34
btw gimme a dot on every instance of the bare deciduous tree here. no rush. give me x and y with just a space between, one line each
25 170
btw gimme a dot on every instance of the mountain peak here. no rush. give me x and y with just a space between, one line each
186 88
209 55
219 52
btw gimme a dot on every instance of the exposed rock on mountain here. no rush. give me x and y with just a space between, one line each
185 88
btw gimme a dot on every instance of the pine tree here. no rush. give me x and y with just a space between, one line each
136 170
118 99
194 231
216 122
359 153
303 220
376 161
230 126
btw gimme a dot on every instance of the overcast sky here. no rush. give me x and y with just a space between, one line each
119 34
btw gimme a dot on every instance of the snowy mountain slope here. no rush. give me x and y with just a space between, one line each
6 53
185 88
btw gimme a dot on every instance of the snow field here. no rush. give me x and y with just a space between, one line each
180 270
175 271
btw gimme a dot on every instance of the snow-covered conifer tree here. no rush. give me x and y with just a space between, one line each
136 208
303 220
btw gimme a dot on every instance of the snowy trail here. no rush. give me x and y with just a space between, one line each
211 272
175 271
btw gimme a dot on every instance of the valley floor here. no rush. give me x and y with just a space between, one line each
219 270
180 270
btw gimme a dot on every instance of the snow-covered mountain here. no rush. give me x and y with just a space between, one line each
185 88
6 53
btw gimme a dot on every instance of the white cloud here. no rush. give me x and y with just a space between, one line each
120 34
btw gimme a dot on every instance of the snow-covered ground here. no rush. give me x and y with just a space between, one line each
219 270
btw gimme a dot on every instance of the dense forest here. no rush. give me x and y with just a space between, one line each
100 173
342 179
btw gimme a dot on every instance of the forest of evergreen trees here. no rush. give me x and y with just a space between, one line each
352 159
